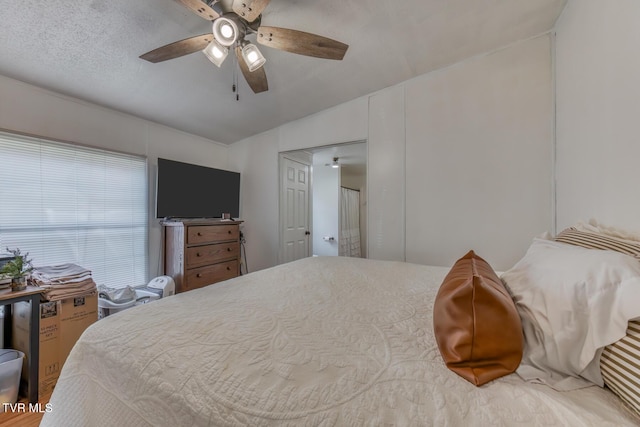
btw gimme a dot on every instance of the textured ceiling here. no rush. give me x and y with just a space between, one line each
89 49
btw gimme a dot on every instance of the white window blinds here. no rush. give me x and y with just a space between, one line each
65 203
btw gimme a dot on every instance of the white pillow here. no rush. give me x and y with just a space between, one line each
573 302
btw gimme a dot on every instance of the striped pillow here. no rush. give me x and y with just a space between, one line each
590 240
620 366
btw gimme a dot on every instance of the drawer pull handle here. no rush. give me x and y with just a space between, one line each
198 254
228 249
229 231
198 275
228 268
199 233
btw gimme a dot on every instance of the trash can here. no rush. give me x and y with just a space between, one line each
1 326
10 370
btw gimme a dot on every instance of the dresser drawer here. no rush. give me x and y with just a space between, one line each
210 254
203 276
211 233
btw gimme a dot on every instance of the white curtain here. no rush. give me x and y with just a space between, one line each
350 223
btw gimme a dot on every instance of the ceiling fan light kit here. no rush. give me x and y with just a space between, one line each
253 57
226 31
216 52
233 21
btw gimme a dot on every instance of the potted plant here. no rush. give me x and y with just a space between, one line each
17 269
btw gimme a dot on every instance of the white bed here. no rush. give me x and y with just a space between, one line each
321 341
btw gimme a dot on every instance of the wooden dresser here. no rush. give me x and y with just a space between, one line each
198 253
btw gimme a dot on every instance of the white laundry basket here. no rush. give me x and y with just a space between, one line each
10 370
106 307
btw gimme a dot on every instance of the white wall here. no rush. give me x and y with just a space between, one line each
344 123
256 159
411 143
598 112
386 175
326 207
29 109
479 156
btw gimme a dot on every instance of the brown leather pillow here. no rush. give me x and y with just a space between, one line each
476 323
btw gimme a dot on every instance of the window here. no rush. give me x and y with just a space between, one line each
65 203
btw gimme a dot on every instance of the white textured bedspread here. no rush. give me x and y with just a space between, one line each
318 342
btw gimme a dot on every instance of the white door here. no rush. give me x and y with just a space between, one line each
294 210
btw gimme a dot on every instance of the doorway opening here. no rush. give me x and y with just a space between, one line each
326 215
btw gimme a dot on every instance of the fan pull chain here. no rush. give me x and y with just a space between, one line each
234 87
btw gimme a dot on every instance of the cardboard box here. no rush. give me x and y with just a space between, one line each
61 324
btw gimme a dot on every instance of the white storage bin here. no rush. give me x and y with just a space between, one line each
10 370
1 326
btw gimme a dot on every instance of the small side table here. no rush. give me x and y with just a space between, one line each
32 294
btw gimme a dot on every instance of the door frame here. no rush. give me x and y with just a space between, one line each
305 156
298 156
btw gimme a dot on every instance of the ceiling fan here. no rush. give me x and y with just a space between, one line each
235 20
334 164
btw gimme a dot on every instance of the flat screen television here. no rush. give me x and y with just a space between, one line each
189 191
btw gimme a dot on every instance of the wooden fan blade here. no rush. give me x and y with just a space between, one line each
302 43
257 79
200 8
249 10
178 49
